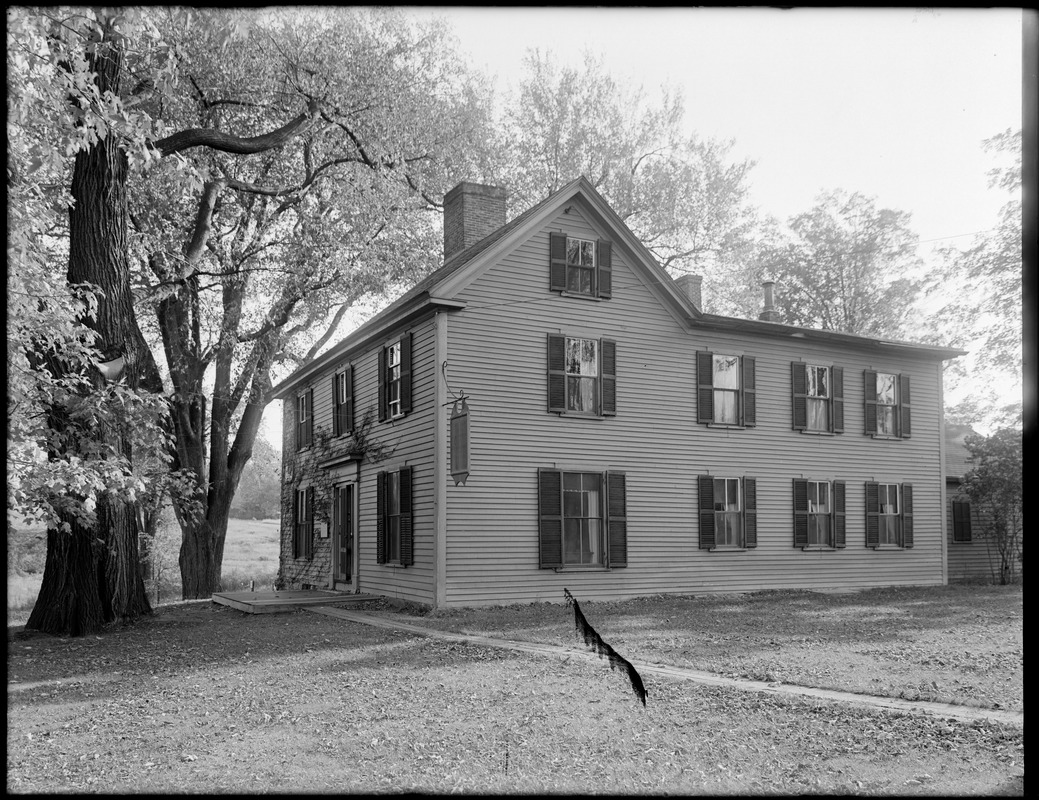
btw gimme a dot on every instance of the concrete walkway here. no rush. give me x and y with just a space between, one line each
962 713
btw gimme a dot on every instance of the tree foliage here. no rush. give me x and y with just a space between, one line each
683 196
279 165
845 266
995 487
978 293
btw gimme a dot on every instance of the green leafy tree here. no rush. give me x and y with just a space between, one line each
259 491
995 487
978 295
683 196
277 166
845 266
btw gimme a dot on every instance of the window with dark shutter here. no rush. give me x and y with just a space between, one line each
303 528
581 375
343 402
305 419
961 531
394 531
907 515
580 266
705 501
887 406
395 379
840 526
817 397
726 390
550 519
616 519
750 512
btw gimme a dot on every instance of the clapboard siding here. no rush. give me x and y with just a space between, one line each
497 353
408 442
969 560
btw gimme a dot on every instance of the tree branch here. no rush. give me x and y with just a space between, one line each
225 142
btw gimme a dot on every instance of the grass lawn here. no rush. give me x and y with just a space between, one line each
203 698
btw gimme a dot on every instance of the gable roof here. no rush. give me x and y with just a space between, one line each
439 289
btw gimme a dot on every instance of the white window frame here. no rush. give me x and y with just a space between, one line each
820 522
580 378
590 529
724 535
887 413
816 402
889 522
393 380
721 392
580 267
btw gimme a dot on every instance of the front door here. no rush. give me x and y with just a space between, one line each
343 535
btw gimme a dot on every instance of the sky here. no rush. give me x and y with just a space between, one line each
892 103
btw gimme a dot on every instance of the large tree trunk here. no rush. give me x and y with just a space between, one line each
91 575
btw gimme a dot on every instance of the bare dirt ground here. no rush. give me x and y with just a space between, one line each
202 698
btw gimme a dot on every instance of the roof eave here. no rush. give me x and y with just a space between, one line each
393 316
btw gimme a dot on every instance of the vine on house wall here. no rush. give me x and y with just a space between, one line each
360 445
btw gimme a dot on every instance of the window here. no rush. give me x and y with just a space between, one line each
582 376
395 379
889 515
579 525
818 397
728 512
961 521
305 419
580 266
725 390
819 513
303 530
887 400
393 534
343 401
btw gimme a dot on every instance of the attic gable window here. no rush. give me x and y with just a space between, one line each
726 390
580 266
582 376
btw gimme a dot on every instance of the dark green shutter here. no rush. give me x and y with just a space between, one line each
869 393
557 262
749 393
800 512
310 416
380 518
383 369
907 515
301 441
905 428
336 416
873 514
608 376
705 499
961 531
556 373
405 373
295 524
604 269
407 536
308 531
799 397
837 399
550 519
704 387
346 421
750 512
840 526
617 519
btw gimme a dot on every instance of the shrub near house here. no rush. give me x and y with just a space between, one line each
620 442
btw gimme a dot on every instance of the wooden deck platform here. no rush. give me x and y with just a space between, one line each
288 600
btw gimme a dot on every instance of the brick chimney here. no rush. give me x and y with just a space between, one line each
692 286
769 313
471 212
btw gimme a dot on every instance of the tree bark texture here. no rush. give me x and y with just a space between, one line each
91 576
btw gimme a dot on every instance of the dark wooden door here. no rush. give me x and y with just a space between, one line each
343 531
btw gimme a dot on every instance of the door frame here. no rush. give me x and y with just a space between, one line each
352 484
